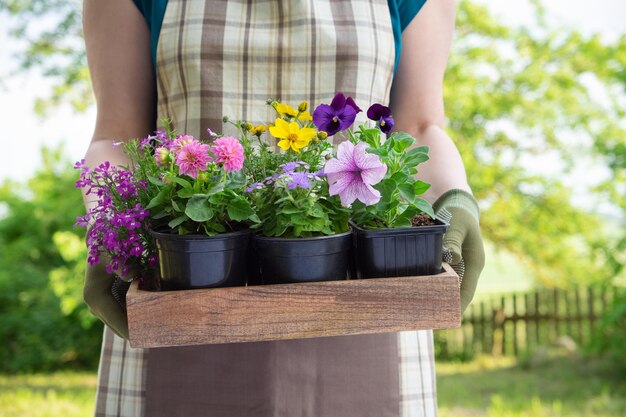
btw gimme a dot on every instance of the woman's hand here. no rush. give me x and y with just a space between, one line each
417 107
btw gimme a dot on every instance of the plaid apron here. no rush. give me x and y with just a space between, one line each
227 57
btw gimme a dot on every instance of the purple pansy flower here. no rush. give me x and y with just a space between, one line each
382 116
352 174
337 116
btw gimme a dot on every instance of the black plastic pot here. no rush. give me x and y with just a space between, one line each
286 260
398 252
198 261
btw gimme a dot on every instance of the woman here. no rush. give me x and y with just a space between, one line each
195 61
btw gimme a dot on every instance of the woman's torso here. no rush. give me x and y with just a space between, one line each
226 58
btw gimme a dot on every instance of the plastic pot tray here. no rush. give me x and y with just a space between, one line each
293 311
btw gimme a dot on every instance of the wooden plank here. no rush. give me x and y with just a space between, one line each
293 311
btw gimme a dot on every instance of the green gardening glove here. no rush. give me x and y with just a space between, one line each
104 294
463 245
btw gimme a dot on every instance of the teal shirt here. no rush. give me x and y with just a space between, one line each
402 13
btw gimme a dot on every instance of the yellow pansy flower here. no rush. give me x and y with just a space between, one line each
292 135
286 110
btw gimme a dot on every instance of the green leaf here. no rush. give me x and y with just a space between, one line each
387 188
157 200
213 228
160 215
377 151
176 205
181 181
216 188
198 209
185 193
400 178
406 191
316 211
424 206
240 210
420 187
404 220
415 156
177 221
154 180
236 180
401 141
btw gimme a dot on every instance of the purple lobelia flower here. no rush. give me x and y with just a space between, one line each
336 116
382 116
352 174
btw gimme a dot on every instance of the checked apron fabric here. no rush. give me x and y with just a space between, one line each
227 57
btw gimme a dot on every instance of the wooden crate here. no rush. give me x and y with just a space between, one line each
293 311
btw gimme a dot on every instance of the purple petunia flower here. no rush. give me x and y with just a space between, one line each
382 116
337 116
352 174
299 180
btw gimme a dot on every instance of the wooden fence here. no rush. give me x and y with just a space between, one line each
517 323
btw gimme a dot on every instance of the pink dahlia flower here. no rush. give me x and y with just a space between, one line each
180 141
352 174
228 151
192 157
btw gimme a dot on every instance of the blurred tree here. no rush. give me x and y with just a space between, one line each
43 323
527 106
53 46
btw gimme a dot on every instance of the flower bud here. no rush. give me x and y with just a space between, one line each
321 135
248 127
162 156
203 176
225 119
167 179
302 107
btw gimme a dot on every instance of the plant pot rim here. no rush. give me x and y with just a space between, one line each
172 236
299 239
441 227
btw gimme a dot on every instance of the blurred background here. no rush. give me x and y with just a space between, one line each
536 101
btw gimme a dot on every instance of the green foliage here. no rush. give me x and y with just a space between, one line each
298 212
610 336
43 323
399 189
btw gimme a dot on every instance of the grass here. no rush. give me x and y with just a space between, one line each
548 385
555 385
52 395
